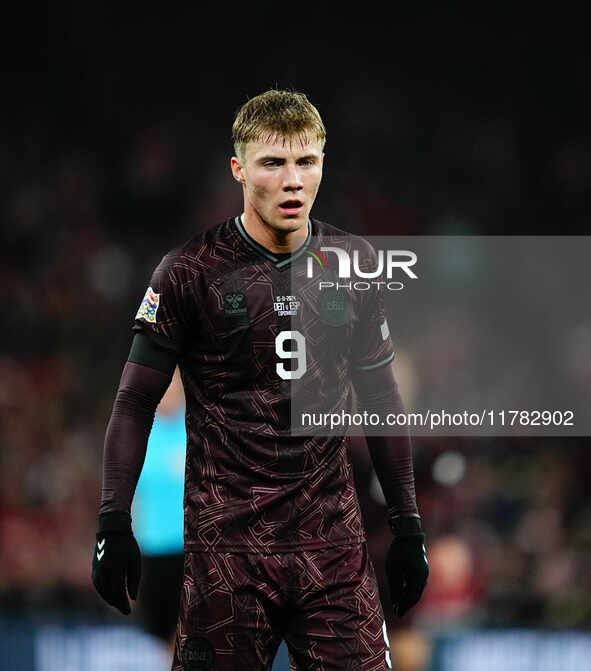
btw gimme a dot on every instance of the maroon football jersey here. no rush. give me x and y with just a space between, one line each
256 339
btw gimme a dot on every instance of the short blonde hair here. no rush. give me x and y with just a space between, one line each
275 113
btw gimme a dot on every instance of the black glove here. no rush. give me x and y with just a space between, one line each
116 560
407 568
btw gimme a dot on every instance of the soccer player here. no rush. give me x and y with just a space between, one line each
274 542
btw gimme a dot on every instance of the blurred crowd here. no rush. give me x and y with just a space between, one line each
509 531
88 214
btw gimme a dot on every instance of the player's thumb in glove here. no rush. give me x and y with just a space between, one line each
116 564
407 569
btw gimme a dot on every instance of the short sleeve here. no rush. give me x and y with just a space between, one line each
168 309
372 343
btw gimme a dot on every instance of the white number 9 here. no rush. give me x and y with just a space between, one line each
299 354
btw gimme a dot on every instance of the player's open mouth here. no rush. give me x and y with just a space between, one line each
292 206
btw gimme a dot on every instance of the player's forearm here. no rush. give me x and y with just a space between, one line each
391 456
126 439
392 460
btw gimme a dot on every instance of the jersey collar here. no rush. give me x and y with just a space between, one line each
279 263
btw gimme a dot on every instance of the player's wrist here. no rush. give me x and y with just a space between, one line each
406 526
114 522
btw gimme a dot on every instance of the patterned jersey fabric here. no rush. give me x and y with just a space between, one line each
256 339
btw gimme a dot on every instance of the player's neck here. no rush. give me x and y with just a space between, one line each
280 242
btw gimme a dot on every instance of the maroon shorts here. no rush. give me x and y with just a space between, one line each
236 608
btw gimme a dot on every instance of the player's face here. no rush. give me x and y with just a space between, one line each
280 180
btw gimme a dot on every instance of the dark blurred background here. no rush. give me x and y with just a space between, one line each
114 147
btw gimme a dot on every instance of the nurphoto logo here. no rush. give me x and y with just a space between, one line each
388 263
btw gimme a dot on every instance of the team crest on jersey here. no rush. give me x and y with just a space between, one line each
334 307
235 304
286 305
197 654
149 306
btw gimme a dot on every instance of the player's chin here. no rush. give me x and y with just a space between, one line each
292 219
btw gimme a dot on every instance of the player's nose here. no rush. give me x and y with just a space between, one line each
292 180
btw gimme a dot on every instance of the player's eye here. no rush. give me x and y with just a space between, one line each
271 164
306 162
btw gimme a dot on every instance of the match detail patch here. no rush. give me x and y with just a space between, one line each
385 330
149 306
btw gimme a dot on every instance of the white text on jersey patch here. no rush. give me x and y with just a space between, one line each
286 305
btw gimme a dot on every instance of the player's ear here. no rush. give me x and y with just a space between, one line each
237 169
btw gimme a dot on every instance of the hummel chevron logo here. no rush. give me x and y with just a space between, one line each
100 545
